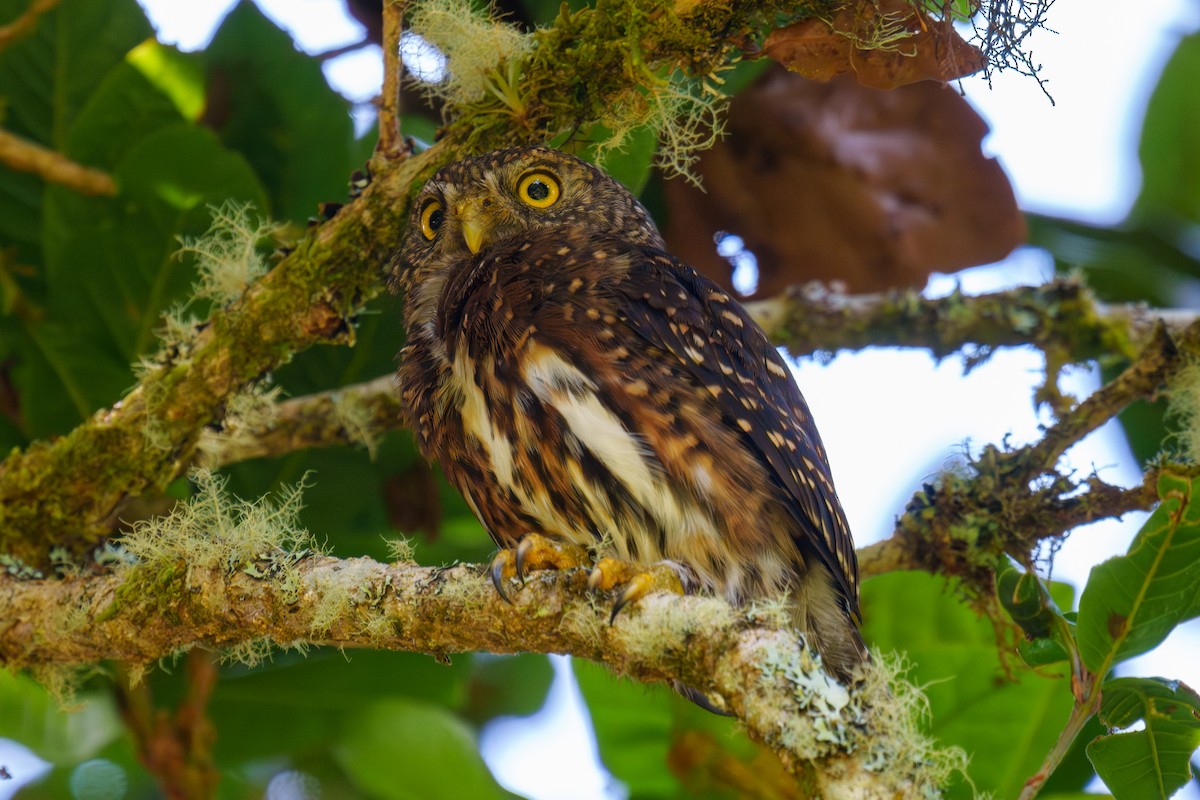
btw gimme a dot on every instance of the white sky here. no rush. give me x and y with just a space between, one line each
890 418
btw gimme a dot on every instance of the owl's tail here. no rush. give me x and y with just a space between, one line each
820 612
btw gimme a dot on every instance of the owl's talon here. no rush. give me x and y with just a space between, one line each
533 552
635 590
638 581
497 571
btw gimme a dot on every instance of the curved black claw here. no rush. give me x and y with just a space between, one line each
497 570
523 548
641 585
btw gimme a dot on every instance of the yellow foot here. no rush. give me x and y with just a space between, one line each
637 580
533 552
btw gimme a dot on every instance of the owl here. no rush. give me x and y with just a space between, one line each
581 386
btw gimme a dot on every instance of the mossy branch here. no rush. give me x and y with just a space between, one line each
851 745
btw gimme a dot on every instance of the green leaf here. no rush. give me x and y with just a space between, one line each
179 76
272 104
1132 602
62 377
1152 762
637 725
400 749
1168 152
29 715
296 704
47 77
633 724
507 686
1027 601
110 262
124 109
1006 727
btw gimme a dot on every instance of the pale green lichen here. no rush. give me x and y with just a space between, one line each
248 411
475 45
213 531
880 717
1183 397
896 738
400 549
357 419
227 257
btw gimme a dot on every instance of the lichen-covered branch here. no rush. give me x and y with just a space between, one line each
749 660
23 155
934 534
69 492
352 415
1059 315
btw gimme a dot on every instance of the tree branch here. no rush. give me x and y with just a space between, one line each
758 668
23 155
390 144
25 23
1061 314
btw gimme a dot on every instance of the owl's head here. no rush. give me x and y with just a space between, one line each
477 203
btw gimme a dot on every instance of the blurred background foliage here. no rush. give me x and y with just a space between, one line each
85 280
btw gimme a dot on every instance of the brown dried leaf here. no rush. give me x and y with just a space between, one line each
884 44
838 182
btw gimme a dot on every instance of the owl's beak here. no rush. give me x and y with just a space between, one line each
474 223
473 231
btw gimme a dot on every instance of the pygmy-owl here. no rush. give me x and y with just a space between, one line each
576 381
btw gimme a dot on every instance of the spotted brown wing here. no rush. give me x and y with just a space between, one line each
681 312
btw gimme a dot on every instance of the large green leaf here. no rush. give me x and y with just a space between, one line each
125 107
272 104
1007 727
638 724
48 76
1169 155
45 80
400 749
1132 602
111 271
29 715
298 704
111 263
1151 762
633 724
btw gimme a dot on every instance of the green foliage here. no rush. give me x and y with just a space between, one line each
1004 724
1132 602
1168 153
85 287
271 103
1154 761
406 750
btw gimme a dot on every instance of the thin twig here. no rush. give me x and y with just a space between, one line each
390 144
23 155
24 24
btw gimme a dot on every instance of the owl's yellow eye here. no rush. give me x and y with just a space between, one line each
539 189
431 219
